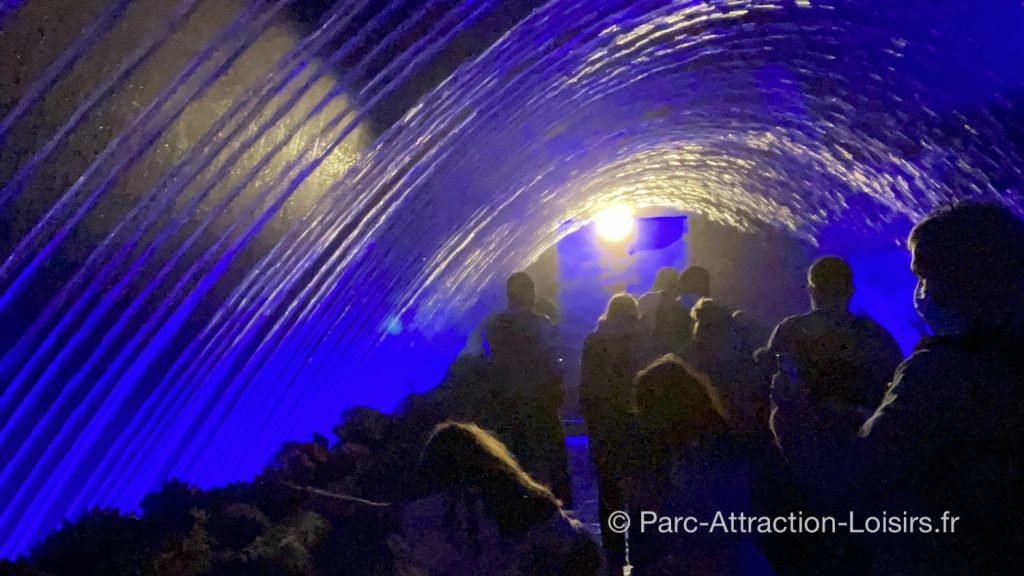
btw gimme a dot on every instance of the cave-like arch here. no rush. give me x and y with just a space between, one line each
803 115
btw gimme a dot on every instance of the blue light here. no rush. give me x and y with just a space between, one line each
833 122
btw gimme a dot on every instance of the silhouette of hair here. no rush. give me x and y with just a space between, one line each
710 314
695 280
622 305
975 250
666 278
674 406
831 277
464 457
521 289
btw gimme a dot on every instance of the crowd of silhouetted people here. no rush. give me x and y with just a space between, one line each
687 417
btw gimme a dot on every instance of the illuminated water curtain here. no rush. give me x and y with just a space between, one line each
222 225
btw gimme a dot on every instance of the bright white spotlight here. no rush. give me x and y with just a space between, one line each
614 224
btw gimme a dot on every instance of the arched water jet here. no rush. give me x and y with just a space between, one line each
794 114
305 91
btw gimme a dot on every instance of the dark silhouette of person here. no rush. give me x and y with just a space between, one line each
685 463
612 356
846 360
721 350
667 278
665 316
479 512
527 371
946 439
694 284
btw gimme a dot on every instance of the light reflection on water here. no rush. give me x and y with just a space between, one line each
323 267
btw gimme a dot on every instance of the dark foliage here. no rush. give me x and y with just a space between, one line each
21 567
318 510
100 543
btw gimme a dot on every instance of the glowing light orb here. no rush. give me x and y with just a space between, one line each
614 224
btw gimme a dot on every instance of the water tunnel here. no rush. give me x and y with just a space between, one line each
227 221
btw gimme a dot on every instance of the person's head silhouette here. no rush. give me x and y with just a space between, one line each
521 290
622 306
462 457
695 280
673 404
666 279
830 284
969 260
